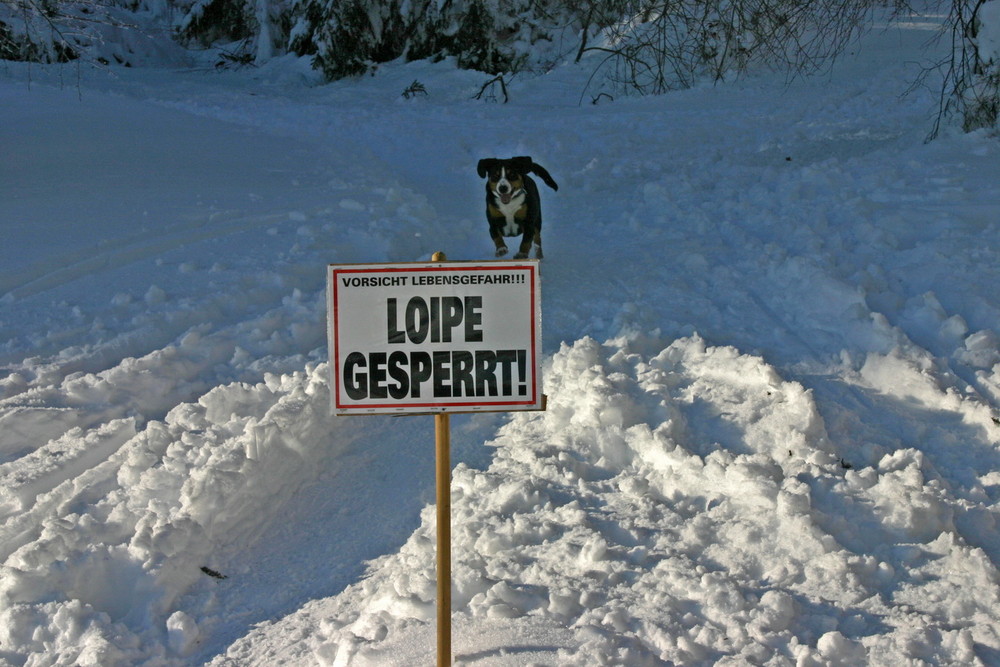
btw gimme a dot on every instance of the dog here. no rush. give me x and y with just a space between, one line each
513 206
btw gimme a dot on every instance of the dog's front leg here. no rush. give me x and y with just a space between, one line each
501 246
525 247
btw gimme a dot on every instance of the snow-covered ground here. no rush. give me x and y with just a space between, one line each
772 358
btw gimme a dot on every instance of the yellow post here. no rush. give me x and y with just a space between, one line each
442 453
442 429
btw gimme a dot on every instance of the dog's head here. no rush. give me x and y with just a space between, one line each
505 178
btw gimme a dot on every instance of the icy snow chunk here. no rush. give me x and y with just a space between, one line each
953 328
904 374
910 505
155 295
794 498
774 612
593 551
13 384
564 602
182 632
981 350
839 651
187 416
372 627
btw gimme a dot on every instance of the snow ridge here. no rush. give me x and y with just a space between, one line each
654 541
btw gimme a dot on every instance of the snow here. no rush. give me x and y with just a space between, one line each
772 361
988 34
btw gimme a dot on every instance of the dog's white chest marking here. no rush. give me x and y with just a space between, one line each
511 227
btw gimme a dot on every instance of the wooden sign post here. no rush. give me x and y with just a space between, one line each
442 476
442 437
436 338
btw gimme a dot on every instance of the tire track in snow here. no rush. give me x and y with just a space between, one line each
116 253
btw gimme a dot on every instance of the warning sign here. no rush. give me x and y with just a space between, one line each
437 337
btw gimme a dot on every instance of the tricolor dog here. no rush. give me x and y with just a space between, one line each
513 207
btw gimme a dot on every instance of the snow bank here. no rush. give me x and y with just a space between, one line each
680 504
115 525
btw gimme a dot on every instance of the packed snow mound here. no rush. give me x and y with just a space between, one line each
118 524
677 504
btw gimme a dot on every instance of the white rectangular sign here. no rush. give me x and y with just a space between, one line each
436 337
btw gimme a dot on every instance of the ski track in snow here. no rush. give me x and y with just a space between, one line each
772 336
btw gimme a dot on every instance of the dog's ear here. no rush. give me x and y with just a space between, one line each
541 171
485 165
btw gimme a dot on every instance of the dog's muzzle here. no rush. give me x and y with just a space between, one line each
506 194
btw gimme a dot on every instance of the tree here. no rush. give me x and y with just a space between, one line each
970 91
657 45
348 37
250 30
41 30
59 31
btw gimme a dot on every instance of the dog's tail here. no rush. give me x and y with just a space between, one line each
540 170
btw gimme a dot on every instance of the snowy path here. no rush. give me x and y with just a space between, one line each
771 330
